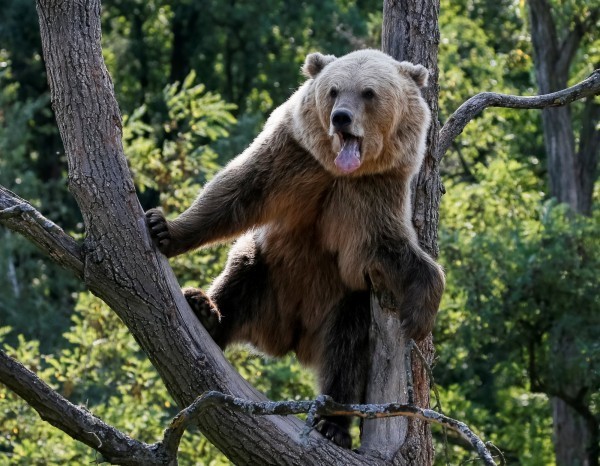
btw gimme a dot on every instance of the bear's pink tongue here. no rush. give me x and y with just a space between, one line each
348 158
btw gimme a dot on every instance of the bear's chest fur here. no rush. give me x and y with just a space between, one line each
336 220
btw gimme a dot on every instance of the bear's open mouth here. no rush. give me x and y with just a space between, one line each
348 158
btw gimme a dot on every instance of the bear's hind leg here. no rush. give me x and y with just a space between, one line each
240 294
344 365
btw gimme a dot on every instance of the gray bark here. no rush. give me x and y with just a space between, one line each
389 381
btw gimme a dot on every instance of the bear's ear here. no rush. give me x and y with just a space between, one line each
417 72
314 64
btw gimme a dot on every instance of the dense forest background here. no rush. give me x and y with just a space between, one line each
195 81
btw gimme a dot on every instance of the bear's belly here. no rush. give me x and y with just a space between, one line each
304 277
349 246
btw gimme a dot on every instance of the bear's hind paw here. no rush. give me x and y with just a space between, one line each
334 432
205 310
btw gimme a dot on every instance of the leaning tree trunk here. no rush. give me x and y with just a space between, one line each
410 32
122 267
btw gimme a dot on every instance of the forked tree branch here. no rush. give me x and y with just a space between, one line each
476 104
21 217
325 406
119 448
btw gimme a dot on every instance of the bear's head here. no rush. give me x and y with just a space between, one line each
363 113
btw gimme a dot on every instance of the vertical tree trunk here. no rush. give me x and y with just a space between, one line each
557 126
571 170
572 436
410 32
572 175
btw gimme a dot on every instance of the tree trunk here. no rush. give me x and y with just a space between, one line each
410 32
572 174
571 171
573 436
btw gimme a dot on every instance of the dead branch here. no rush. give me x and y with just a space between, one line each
323 406
21 217
476 104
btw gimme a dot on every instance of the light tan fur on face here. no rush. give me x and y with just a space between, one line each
392 125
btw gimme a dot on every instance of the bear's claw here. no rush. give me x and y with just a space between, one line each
159 230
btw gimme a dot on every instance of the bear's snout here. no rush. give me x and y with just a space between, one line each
341 119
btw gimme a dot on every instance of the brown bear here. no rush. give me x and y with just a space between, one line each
321 200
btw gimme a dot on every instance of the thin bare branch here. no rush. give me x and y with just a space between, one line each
476 104
323 406
21 217
76 421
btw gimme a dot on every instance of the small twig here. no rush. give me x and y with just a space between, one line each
310 418
476 104
499 454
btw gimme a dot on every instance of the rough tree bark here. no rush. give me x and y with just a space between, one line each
572 172
410 32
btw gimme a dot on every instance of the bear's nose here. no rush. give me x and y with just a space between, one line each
341 119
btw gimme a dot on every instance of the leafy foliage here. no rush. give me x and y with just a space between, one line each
521 280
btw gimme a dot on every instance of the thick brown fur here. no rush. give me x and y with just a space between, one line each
297 278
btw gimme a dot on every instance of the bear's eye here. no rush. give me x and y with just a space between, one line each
368 94
333 93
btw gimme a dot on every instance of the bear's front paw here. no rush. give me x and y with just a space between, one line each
417 323
159 230
334 432
206 312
